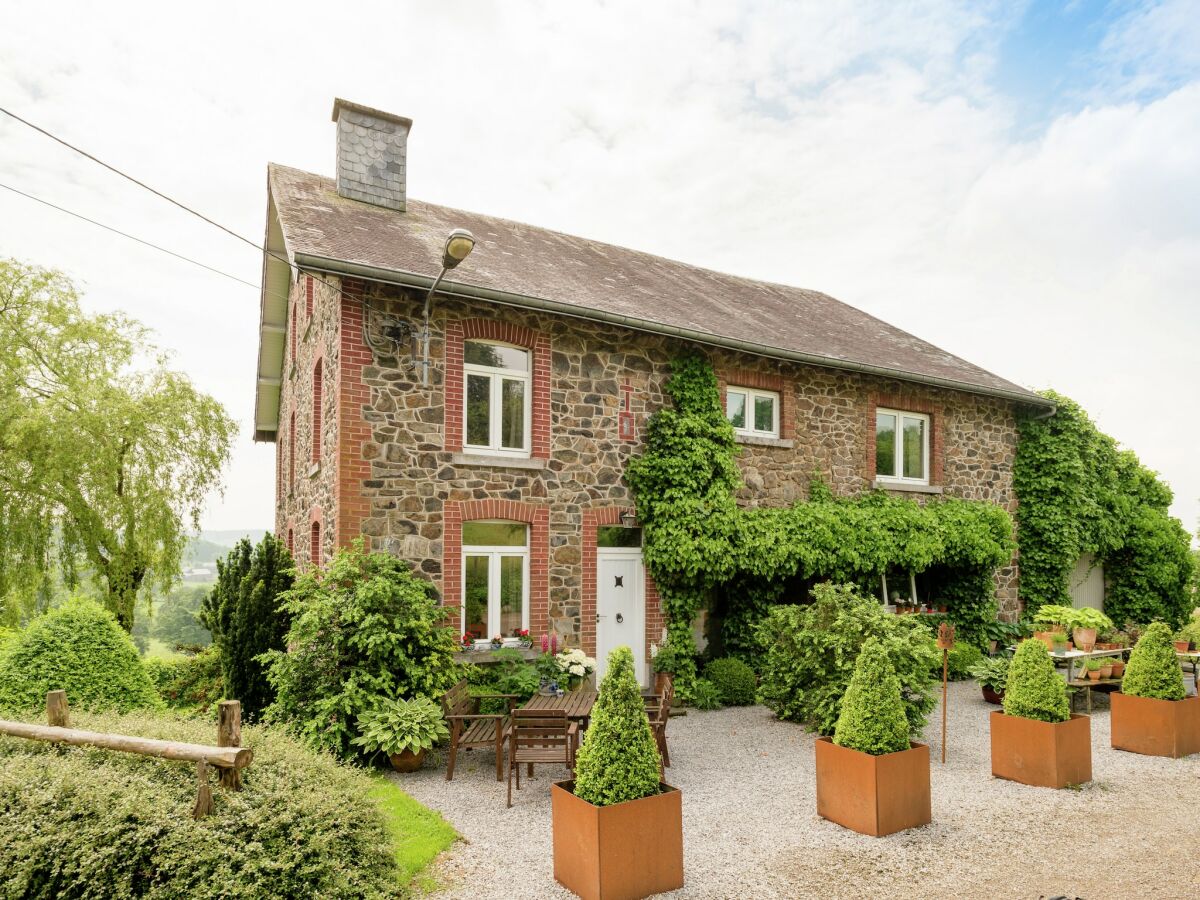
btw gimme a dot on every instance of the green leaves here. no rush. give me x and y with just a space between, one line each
1033 689
1153 669
872 717
394 726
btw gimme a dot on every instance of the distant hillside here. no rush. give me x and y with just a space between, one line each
228 538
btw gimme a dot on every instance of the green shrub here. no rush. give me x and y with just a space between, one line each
734 680
812 650
872 717
364 628
1153 669
619 758
991 672
246 618
705 695
189 682
87 823
1034 690
79 648
177 620
398 725
959 662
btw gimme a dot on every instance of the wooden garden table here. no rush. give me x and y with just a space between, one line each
577 704
1192 656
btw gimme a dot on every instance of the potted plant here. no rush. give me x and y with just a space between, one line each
1118 667
870 777
1106 668
1058 642
524 639
1152 713
1036 740
574 667
403 729
618 828
497 642
1058 617
1092 669
1086 623
991 673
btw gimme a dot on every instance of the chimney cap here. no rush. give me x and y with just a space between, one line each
339 104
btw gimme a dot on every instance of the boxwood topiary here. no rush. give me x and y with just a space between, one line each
78 648
1034 690
619 759
1153 669
872 719
734 680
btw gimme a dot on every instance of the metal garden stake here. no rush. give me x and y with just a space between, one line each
945 640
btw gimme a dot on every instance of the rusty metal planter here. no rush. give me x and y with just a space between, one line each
620 852
1156 727
1042 754
873 795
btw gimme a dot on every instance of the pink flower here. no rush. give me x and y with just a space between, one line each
546 643
554 643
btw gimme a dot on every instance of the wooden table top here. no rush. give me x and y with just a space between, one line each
578 704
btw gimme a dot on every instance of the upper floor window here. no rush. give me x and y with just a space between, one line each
318 411
901 446
497 397
752 413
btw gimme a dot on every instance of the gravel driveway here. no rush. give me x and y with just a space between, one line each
751 829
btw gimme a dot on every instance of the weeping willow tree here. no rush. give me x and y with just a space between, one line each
106 454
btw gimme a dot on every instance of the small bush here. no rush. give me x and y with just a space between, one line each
705 694
79 648
1034 690
619 758
734 680
395 726
991 672
872 719
86 823
191 683
1153 669
962 657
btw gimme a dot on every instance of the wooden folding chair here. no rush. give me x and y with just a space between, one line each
540 736
658 711
471 730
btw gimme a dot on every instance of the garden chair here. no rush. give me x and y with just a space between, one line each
540 736
658 711
472 730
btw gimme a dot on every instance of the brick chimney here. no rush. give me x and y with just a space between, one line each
371 151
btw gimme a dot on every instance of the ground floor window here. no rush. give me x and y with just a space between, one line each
495 578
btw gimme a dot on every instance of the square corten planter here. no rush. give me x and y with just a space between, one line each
873 795
620 852
1042 754
1156 727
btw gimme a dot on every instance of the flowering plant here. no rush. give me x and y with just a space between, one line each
468 639
523 633
575 665
550 643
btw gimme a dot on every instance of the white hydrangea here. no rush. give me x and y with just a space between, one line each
575 662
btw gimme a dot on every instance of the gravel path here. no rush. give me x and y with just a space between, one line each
751 829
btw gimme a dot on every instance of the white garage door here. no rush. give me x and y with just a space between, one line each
1087 583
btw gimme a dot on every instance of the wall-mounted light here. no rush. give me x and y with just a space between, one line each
458 246
628 519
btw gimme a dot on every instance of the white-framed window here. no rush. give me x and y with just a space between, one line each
495 579
901 446
496 398
752 412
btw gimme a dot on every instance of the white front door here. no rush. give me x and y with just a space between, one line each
620 607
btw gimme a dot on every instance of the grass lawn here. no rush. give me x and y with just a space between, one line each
419 833
156 649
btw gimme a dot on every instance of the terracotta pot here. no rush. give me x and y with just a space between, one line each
620 852
407 761
873 795
991 696
1106 671
1118 669
1183 646
1156 727
1093 674
1044 637
1042 754
1085 638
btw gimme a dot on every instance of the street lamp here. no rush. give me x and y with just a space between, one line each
459 244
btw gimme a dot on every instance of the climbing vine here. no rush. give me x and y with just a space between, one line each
1079 493
700 547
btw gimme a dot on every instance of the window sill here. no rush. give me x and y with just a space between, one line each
756 441
497 462
882 484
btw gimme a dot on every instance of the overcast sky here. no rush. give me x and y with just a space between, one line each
1017 184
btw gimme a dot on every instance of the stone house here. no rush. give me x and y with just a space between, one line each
498 472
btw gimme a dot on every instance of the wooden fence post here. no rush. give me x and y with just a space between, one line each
204 798
229 734
57 712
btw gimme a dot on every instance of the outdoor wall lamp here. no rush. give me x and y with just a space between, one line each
459 244
628 519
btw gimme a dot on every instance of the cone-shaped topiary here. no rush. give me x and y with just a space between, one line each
1034 690
872 718
79 648
1153 669
619 759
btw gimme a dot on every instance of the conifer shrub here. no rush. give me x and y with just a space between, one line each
872 717
189 683
734 680
619 758
1153 669
78 648
1034 690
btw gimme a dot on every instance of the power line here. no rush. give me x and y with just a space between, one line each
131 237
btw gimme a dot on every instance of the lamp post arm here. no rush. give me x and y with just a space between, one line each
425 328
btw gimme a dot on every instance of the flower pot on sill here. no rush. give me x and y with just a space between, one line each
993 696
407 761
620 852
1042 754
1155 727
873 795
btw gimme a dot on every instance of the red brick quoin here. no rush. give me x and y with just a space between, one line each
592 519
455 512
353 396
458 331
908 403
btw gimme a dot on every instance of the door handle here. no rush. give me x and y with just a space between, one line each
620 618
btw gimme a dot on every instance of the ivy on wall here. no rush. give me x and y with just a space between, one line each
700 547
1079 493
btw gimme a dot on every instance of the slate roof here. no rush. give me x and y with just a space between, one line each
526 261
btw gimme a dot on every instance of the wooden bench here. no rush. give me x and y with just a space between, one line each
472 730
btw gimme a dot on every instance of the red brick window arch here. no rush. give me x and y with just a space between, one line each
291 452
458 332
318 411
